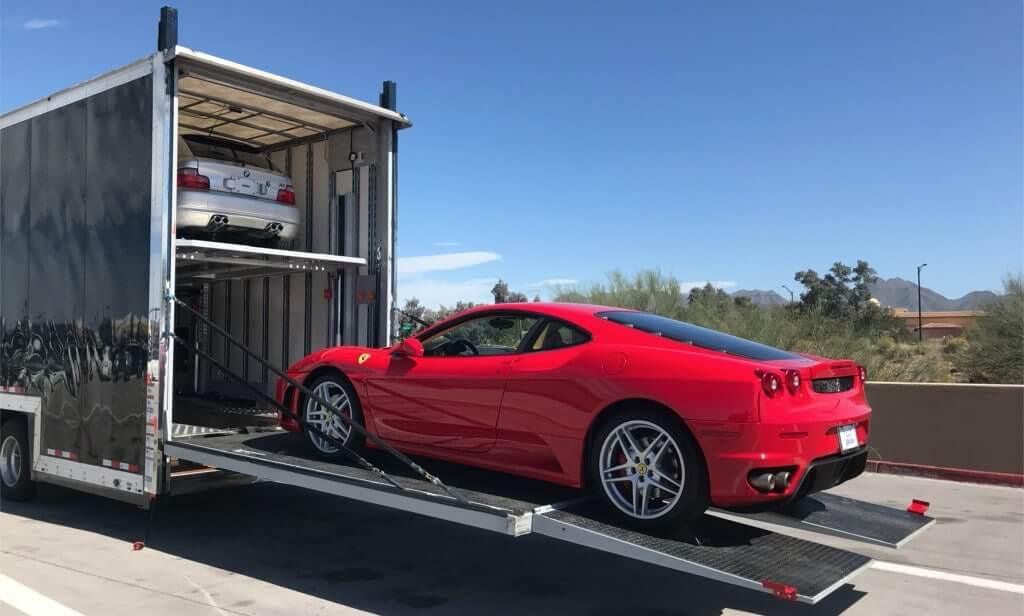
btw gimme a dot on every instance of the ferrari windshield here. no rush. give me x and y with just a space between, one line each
697 336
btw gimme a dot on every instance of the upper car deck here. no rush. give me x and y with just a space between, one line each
725 550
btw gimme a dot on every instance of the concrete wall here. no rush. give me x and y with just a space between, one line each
976 427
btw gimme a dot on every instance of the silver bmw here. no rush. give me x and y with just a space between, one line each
228 189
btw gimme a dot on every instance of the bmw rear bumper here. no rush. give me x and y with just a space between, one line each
197 207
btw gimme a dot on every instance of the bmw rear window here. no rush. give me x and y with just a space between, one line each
697 336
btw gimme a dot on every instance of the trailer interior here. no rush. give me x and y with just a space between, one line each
326 287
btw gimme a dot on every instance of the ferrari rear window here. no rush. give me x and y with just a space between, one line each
697 336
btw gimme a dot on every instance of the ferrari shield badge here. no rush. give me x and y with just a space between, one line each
363 358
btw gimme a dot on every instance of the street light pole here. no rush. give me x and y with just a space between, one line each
920 329
790 293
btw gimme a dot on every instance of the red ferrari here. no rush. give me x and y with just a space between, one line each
660 418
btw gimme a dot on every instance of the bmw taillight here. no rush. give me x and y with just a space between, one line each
286 195
188 177
792 381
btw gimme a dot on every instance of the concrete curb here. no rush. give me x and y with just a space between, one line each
950 474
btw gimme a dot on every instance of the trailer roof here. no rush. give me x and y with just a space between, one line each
217 96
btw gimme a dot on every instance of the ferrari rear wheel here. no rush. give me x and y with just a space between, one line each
649 470
335 389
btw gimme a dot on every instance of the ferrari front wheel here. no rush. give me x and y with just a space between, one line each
649 470
335 421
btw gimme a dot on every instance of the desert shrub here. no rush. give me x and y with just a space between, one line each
995 345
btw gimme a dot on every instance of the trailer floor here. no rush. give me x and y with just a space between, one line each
263 549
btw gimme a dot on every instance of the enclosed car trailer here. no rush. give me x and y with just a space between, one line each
97 291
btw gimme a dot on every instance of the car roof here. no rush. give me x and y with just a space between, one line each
219 141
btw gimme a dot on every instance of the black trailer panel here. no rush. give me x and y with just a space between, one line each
714 548
843 517
74 257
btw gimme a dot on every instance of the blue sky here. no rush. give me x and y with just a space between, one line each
736 142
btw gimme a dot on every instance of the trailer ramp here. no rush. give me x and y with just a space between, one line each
282 457
719 549
714 548
846 518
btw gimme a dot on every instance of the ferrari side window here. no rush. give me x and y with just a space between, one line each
556 335
486 335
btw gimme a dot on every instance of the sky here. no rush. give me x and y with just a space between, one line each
733 142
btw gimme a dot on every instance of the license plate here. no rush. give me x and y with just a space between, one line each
848 438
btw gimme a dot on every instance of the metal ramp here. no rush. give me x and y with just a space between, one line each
715 548
281 457
846 518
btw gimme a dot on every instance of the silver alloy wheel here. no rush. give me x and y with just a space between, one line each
10 461
326 420
641 469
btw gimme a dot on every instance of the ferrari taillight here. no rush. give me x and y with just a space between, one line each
792 381
863 374
770 382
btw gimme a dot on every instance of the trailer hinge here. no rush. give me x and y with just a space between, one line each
919 507
780 590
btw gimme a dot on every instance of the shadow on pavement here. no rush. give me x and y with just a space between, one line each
390 562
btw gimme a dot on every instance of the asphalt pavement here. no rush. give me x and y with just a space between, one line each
274 549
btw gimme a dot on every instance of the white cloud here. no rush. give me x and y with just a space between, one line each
433 293
41 24
718 284
551 282
444 262
447 244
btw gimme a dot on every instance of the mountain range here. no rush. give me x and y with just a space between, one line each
894 292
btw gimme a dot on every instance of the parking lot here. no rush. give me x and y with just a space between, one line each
275 549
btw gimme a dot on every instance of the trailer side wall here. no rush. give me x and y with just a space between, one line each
75 196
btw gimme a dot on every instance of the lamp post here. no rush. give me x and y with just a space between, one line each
790 293
920 330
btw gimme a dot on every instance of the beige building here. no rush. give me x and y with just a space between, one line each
939 324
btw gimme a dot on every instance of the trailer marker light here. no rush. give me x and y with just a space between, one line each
919 507
780 590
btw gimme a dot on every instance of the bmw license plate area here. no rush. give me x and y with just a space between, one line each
848 438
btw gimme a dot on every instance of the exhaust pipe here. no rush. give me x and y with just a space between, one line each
763 482
217 221
782 480
273 229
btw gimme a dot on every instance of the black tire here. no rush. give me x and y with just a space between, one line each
16 483
693 499
353 439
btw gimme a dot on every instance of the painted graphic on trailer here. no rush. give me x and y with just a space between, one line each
75 188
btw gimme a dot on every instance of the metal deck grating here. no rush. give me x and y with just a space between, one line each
747 555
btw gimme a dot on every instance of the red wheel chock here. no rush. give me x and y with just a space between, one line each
919 507
780 590
138 545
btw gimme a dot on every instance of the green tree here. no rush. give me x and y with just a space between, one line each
500 292
995 345
843 294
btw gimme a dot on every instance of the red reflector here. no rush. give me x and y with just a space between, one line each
780 590
286 195
919 507
189 177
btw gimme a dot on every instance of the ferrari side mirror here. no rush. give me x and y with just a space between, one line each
411 347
